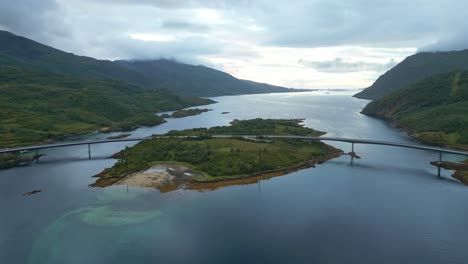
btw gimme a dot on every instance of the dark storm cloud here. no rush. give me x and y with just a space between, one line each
340 65
394 23
40 20
80 25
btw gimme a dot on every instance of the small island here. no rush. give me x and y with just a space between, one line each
185 113
205 161
460 168
120 136
8 160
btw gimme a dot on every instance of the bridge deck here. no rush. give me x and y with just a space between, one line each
348 140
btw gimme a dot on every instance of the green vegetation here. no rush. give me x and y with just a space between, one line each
179 78
12 160
225 157
461 173
256 126
196 80
433 110
8 161
38 106
186 112
416 68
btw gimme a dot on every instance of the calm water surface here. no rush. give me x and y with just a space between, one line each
388 207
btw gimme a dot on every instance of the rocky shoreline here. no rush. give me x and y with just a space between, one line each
460 168
8 161
172 176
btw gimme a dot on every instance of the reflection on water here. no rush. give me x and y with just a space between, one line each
388 207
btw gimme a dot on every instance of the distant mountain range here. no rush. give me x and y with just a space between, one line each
416 68
182 79
195 80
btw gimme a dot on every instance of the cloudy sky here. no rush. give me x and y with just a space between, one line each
295 43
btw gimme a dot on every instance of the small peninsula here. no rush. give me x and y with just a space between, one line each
185 113
199 159
12 160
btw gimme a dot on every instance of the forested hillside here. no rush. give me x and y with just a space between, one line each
434 110
37 106
416 68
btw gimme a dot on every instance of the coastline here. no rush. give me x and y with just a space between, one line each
66 137
411 133
217 182
460 170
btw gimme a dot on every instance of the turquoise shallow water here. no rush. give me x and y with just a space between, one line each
388 207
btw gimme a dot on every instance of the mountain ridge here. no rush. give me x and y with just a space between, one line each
415 68
196 80
180 78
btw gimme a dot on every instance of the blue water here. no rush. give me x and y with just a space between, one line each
388 207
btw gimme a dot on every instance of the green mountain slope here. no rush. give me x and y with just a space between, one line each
434 110
416 68
26 53
38 106
196 80
177 77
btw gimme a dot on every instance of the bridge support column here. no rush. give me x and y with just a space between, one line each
89 151
352 153
440 163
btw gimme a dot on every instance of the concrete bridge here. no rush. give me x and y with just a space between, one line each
352 141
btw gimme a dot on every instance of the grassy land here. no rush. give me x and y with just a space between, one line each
223 157
255 127
13 160
186 112
41 106
433 110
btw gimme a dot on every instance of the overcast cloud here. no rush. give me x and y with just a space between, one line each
312 43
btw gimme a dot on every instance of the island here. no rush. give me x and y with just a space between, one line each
120 136
185 112
460 168
204 159
9 160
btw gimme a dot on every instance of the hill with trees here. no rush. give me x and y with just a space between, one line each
433 110
179 78
39 106
413 69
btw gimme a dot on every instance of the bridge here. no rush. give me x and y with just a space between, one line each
352 141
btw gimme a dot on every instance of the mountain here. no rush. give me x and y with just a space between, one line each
415 68
38 106
19 51
195 80
433 110
182 79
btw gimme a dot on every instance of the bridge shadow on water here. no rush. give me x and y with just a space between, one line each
377 169
358 166
52 160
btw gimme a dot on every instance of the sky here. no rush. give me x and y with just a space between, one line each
296 43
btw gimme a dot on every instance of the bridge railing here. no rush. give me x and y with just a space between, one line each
352 141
